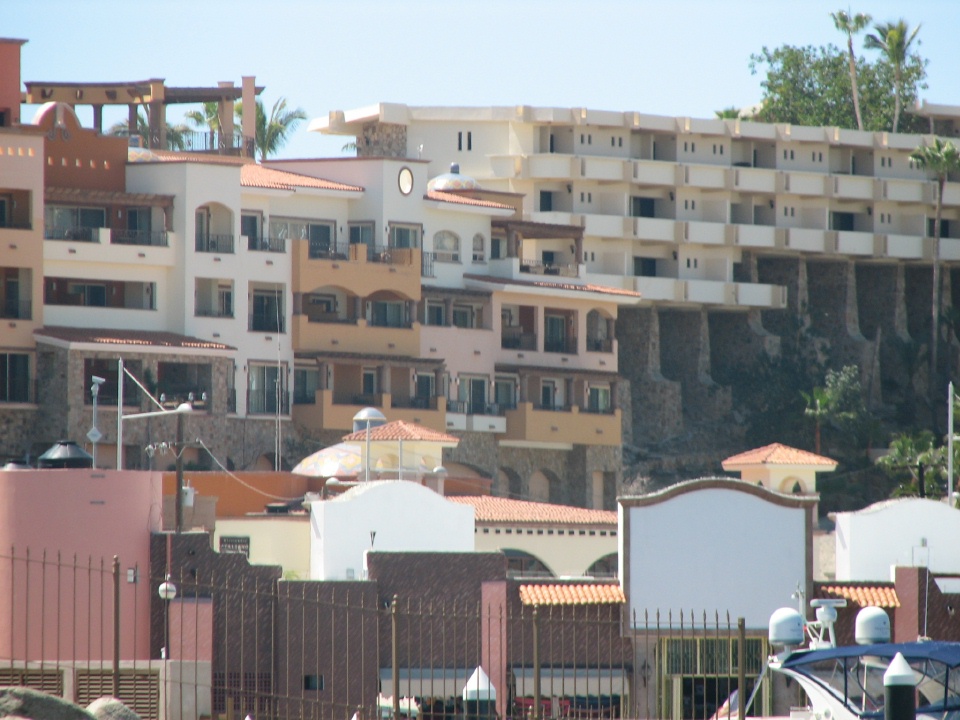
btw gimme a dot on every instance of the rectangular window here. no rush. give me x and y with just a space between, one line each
478 250
266 389
473 393
459 141
321 239
225 300
598 399
268 314
361 233
369 381
469 141
464 316
505 393
306 382
14 377
555 336
642 207
313 682
435 314
546 201
424 383
250 227
548 395
386 314
404 236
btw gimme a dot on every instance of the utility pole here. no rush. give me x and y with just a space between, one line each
178 500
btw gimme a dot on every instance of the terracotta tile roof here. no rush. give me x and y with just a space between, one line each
151 338
882 596
490 509
447 197
111 197
140 155
260 177
571 594
586 287
778 454
402 430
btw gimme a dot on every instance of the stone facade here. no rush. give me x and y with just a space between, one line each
383 140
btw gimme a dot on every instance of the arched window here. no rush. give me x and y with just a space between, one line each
446 246
523 564
479 245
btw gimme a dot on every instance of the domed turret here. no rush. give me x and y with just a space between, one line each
453 180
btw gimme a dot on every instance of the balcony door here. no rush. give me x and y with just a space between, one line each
555 327
473 392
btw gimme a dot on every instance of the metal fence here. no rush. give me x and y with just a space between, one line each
236 640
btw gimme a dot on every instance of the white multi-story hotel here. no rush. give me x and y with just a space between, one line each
719 224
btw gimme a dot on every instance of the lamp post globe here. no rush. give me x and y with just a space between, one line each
367 416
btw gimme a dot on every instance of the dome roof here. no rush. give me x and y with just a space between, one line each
453 180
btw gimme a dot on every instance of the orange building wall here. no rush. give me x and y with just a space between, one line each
10 78
80 158
250 494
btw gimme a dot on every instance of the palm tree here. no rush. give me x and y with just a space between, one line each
728 113
176 139
851 25
819 407
272 133
208 117
913 457
894 40
940 159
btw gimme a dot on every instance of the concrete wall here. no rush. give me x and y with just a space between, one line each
404 515
906 532
701 545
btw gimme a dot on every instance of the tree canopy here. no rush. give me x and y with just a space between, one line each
811 85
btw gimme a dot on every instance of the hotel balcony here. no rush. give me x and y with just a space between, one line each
850 187
568 426
802 183
550 167
465 416
707 177
757 236
608 226
654 172
357 336
906 191
103 245
608 169
656 230
807 240
754 180
365 269
330 411
711 292
702 233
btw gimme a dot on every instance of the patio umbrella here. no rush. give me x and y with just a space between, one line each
340 460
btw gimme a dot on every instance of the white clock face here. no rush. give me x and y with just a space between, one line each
405 180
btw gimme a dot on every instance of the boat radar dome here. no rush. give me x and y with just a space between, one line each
872 626
786 628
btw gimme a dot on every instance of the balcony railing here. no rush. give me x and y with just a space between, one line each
266 322
552 407
214 243
560 345
328 251
600 345
381 254
597 409
266 402
536 267
156 238
267 244
14 225
389 323
468 407
73 232
16 310
173 397
416 403
212 313
513 338
426 264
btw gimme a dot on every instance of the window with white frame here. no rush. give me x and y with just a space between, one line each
435 313
479 242
598 398
467 316
404 236
361 233
446 246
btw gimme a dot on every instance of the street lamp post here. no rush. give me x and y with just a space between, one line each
167 592
94 435
181 410
368 415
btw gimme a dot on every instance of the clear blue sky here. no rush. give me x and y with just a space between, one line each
669 57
